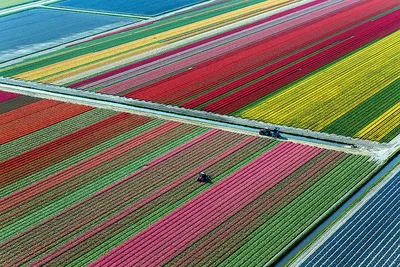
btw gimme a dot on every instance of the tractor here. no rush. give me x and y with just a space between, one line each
272 133
204 178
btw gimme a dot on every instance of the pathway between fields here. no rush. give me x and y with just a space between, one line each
379 151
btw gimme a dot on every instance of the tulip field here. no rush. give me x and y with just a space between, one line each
330 66
111 48
70 26
199 132
368 234
342 96
87 186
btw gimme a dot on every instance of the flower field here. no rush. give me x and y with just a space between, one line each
70 26
368 234
150 8
338 90
199 133
82 185
319 65
129 42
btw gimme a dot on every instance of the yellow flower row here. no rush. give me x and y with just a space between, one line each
383 125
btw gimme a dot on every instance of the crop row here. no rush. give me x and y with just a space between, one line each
16 126
334 49
86 171
120 226
39 176
171 234
291 221
232 235
226 97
